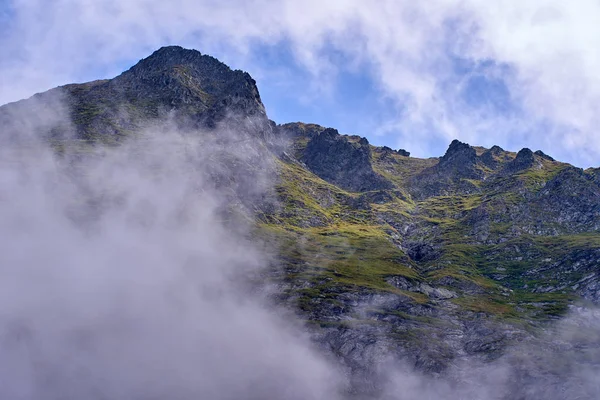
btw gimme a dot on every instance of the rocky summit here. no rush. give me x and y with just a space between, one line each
431 261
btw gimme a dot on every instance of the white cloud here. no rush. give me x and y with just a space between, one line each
546 53
122 280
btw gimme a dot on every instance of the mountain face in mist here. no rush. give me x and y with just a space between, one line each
185 86
431 261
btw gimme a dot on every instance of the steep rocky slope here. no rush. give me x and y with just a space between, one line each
382 254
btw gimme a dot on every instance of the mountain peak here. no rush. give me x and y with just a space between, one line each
197 89
525 159
170 56
186 78
194 89
173 49
459 149
459 154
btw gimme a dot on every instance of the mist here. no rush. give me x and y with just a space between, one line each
121 276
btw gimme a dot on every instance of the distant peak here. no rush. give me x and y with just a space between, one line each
460 150
170 56
524 159
175 78
489 157
457 145
543 155
525 154
169 52
173 48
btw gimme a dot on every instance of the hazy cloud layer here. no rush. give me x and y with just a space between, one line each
515 73
120 279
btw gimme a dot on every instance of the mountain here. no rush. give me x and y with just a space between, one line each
185 86
431 260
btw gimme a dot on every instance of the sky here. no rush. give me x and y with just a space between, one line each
412 75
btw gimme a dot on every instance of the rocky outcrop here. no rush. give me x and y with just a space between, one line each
524 160
571 198
492 158
453 174
543 155
385 150
336 159
460 159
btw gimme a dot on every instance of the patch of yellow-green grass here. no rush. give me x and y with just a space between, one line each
399 169
300 190
565 242
448 205
304 127
475 182
535 178
397 206
548 246
518 305
302 193
461 261
486 304
348 254
465 274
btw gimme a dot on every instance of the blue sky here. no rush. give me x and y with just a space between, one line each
414 76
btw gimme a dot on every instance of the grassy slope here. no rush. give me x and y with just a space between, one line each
350 247
335 240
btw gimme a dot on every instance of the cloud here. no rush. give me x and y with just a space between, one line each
122 278
558 364
542 52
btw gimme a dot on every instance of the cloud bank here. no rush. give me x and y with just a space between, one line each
123 279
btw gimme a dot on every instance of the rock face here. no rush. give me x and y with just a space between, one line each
524 160
490 158
189 88
571 198
200 86
389 150
453 173
347 164
459 157
544 155
431 261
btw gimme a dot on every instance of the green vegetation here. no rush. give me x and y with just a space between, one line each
354 255
339 241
